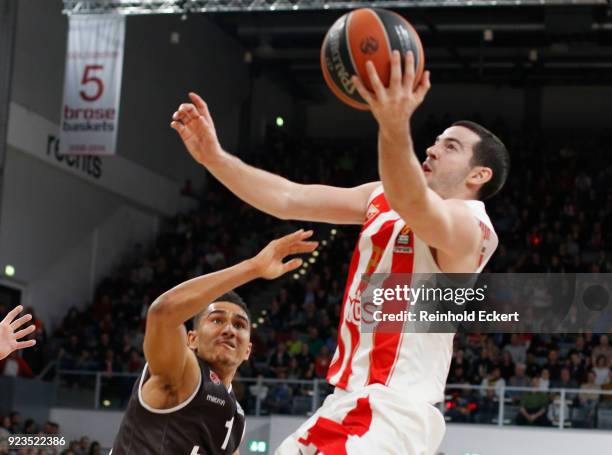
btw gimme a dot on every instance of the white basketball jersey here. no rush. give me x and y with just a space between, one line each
414 364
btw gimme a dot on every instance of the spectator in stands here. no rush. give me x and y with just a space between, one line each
490 395
553 365
5 426
606 400
29 427
602 348
279 398
601 369
507 365
565 381
279 360
16 423
519 379
544 382
576 366
15 365
534 406
322 362
589 398
517 349
95 448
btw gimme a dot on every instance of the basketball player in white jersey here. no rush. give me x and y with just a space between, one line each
422 218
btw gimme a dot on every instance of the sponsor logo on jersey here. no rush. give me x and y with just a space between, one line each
214 378
402 241
216 400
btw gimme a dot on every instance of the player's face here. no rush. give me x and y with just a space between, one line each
447 166
223 335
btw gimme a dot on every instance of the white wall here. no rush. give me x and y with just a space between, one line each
459 439
157 76
66 221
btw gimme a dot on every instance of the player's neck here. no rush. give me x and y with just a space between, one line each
225 374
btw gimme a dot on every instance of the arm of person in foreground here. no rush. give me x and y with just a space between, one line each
270 193
165 343
445 225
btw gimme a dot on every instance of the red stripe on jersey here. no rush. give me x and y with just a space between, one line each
330 437
377 206
335 366
388 335
486 234
379 242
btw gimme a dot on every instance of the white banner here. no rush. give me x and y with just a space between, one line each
92 85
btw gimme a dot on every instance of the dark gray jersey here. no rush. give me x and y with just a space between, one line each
210 422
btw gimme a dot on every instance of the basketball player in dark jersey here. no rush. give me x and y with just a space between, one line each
183 403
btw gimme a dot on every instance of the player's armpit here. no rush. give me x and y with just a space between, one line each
329 204
448 226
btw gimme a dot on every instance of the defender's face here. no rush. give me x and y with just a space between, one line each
223 335
448 160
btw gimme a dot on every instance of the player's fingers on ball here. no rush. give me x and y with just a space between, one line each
19 322
377 85
396 69
13 314
361 89
409 69
24 332
424 86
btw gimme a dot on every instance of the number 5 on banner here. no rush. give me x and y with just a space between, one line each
88 78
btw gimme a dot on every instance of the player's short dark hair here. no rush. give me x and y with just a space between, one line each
231 297
489 152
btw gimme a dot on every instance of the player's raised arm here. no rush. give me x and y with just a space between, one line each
444 224
165 343
263 190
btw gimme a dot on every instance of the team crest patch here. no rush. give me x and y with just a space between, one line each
214 378
373 210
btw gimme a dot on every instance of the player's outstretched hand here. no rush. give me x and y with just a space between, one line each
9 335
269 262
394 105
197 130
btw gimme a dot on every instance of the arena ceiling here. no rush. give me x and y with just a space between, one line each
493 42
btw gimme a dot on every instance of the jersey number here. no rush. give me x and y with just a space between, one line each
229 424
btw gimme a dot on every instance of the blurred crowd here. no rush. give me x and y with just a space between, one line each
554 215
14 424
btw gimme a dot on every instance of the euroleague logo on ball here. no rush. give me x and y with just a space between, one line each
368 45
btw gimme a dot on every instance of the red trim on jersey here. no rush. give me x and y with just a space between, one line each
329 437
379 242
388 335
380 204
335 366
486 234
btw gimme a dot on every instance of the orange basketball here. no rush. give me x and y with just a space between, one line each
361 35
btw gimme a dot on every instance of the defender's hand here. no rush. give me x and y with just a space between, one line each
393 106
269 262
9 333
197 130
